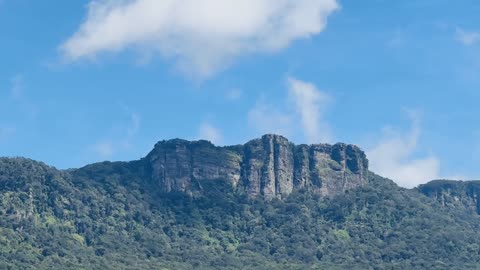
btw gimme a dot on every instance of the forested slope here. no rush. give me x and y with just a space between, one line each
110 216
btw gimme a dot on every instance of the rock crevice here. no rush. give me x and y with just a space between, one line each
271 166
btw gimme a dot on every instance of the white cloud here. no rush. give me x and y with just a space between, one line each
311 104
466 37
266 118
203 36
210 133
104 149
393 157
304 110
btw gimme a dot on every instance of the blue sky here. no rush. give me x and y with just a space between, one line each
81 83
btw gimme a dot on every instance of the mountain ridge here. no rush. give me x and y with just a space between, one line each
270 166
118 215
359 162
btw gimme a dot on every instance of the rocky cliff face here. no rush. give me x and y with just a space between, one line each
454 194
270 166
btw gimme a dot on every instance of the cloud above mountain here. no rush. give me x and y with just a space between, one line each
303 111
393 156
201 36
209 132
467 38
311 105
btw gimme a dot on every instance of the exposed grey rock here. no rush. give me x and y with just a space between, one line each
179 165
454 194
284 165
270 166
301 178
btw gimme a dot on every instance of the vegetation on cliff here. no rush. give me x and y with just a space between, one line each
109 216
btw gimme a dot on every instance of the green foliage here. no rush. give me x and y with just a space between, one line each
108 216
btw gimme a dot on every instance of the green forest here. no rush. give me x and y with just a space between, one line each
106 216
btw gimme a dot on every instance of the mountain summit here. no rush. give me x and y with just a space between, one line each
270 166
267 204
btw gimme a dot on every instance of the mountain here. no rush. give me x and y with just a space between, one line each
268 204
454 194
270 167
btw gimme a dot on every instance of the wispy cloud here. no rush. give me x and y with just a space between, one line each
234 94
133 127
395 153
123 140
467 38
15 97
267 118
398 39
17 87
208 132
202 36
393 156
303 110
311 104
19 96
104 149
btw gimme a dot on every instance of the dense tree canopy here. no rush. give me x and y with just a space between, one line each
106 216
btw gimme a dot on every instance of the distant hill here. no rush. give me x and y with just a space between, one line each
268 204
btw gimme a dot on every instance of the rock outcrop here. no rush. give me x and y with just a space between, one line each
454 194
270 166
180 165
